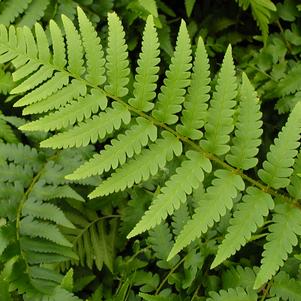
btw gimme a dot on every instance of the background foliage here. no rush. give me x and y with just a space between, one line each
57 244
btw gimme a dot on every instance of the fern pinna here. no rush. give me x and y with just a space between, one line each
83 94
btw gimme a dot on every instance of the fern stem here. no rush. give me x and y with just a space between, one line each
169 273
266 291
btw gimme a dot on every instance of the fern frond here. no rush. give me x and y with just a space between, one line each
91 130
74 111
286 288
93 50
142 166
34 228
281 239
35 11
92 241
195 104
12 9
248 130
239 277
218 198
248 216
277 168
188 176
117 58
220 114
125 146
146 72
237 294
177 79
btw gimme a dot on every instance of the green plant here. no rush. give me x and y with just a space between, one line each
81 96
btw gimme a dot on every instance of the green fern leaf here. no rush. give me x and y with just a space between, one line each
177 79
291 82
277 168
180 218
12 10
58 45
188 176
74 48
34 13
34 228
246 141
142 166
51 86
286 288
126 145
38 245
58 98
146 72
75 111
282 237
218 198
46 211
237 294
195 104
42 44
160 240
247 218
92 129
220 114
117 58
93 50
294 188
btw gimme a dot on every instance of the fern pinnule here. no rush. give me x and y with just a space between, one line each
74 111
93 50
34 228
220 113
91 130
282 238
35 11
12 10
58 45
125 146
42 44
74 48
278 167
195 105
147 70
248 129
117 65
177 79
51 86
187 177
233 294
214 204
249 214
294 188
58 99
142 166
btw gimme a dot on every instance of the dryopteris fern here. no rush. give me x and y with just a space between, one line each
84 95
